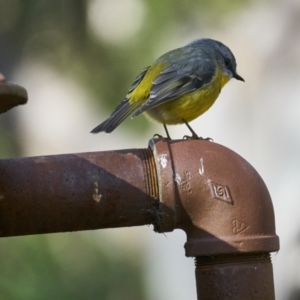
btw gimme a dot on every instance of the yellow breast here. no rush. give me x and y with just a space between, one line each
225 79
191 105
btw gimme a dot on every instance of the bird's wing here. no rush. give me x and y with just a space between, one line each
138 80
123 110
174 82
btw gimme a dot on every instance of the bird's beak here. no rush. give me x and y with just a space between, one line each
238 77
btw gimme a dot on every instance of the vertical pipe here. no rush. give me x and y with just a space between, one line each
235 277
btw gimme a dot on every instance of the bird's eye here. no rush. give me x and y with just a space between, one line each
227 62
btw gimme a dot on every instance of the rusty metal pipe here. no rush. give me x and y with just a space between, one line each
76 192
234 277
203 188
224 207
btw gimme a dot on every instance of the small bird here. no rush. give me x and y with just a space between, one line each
178 87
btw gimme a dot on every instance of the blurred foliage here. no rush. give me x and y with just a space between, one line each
67 266
56 33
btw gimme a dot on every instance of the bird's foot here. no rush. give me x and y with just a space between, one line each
196 137
158 136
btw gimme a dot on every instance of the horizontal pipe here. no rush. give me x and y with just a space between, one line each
76 192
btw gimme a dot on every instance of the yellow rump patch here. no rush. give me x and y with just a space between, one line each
142 91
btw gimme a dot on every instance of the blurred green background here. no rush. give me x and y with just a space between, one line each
91 43
77 59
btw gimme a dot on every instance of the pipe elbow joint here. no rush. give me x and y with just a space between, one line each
215 196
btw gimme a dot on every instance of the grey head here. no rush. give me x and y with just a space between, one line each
222 54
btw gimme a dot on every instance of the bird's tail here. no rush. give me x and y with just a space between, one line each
123 110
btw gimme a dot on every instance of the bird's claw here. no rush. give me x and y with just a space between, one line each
158 136
196 137
193 137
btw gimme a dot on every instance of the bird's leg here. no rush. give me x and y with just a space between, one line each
160 136
167 132
194 135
